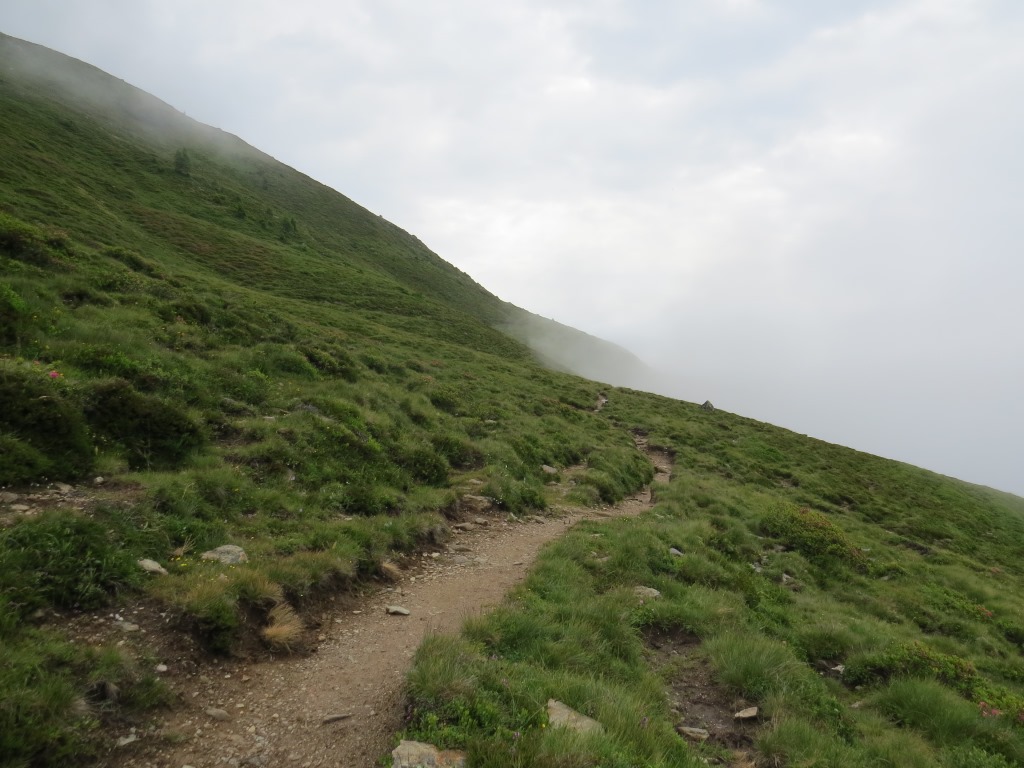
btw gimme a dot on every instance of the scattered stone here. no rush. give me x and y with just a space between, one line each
538 519
548 470
218 714
397 610
416 754
161 668
473 504
707 406
693 734
8 498
461 548
746 714
787 579
839 669
20 507
99 480
464 526
126 740
64 487
152 566
435 555
335 718
563 716
674 552
460 560
228 554
126 626
480 521
650 592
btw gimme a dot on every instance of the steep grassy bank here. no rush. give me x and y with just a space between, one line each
871 610
245 357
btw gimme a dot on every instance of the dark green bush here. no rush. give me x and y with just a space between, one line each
64 560
814 536
20 463
423 463
52 437
154 433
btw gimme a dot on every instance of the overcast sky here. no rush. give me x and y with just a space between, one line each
810 212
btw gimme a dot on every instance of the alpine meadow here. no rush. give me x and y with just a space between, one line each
205 351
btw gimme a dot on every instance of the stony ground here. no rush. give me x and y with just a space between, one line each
343 703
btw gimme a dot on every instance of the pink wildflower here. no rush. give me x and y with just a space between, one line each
54 375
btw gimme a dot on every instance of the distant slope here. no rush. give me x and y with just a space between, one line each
237 191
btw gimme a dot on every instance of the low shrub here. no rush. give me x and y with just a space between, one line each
813 535
155 434
46 436
63 559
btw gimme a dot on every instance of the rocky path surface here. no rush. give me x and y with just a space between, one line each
342 705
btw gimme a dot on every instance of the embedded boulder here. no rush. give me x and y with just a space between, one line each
229 554
562 716
416 754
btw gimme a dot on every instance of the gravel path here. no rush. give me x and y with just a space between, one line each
342 705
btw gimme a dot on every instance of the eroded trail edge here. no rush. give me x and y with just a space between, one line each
343 704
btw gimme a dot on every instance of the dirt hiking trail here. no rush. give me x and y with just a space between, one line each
343 704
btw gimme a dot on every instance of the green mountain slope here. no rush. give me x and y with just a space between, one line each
247 357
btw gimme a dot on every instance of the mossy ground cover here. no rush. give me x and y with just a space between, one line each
808 580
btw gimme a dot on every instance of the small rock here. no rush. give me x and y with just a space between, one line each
126 626
8 498
397 610
416 754
746 714
336 718
229 554
538 519
99 480
464 526
218 714
161 668
548 470
563 716
20 507
650 592
786 578
674 552
693 734
474 504
460 560
435 555
152 566
707 406
126 740
64 487
479 521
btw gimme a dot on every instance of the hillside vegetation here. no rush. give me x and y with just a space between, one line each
246 357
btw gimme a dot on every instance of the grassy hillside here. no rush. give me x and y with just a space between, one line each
247 357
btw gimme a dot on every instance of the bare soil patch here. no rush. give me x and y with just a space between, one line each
698 700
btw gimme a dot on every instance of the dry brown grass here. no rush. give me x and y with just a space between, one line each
285 628
390 571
